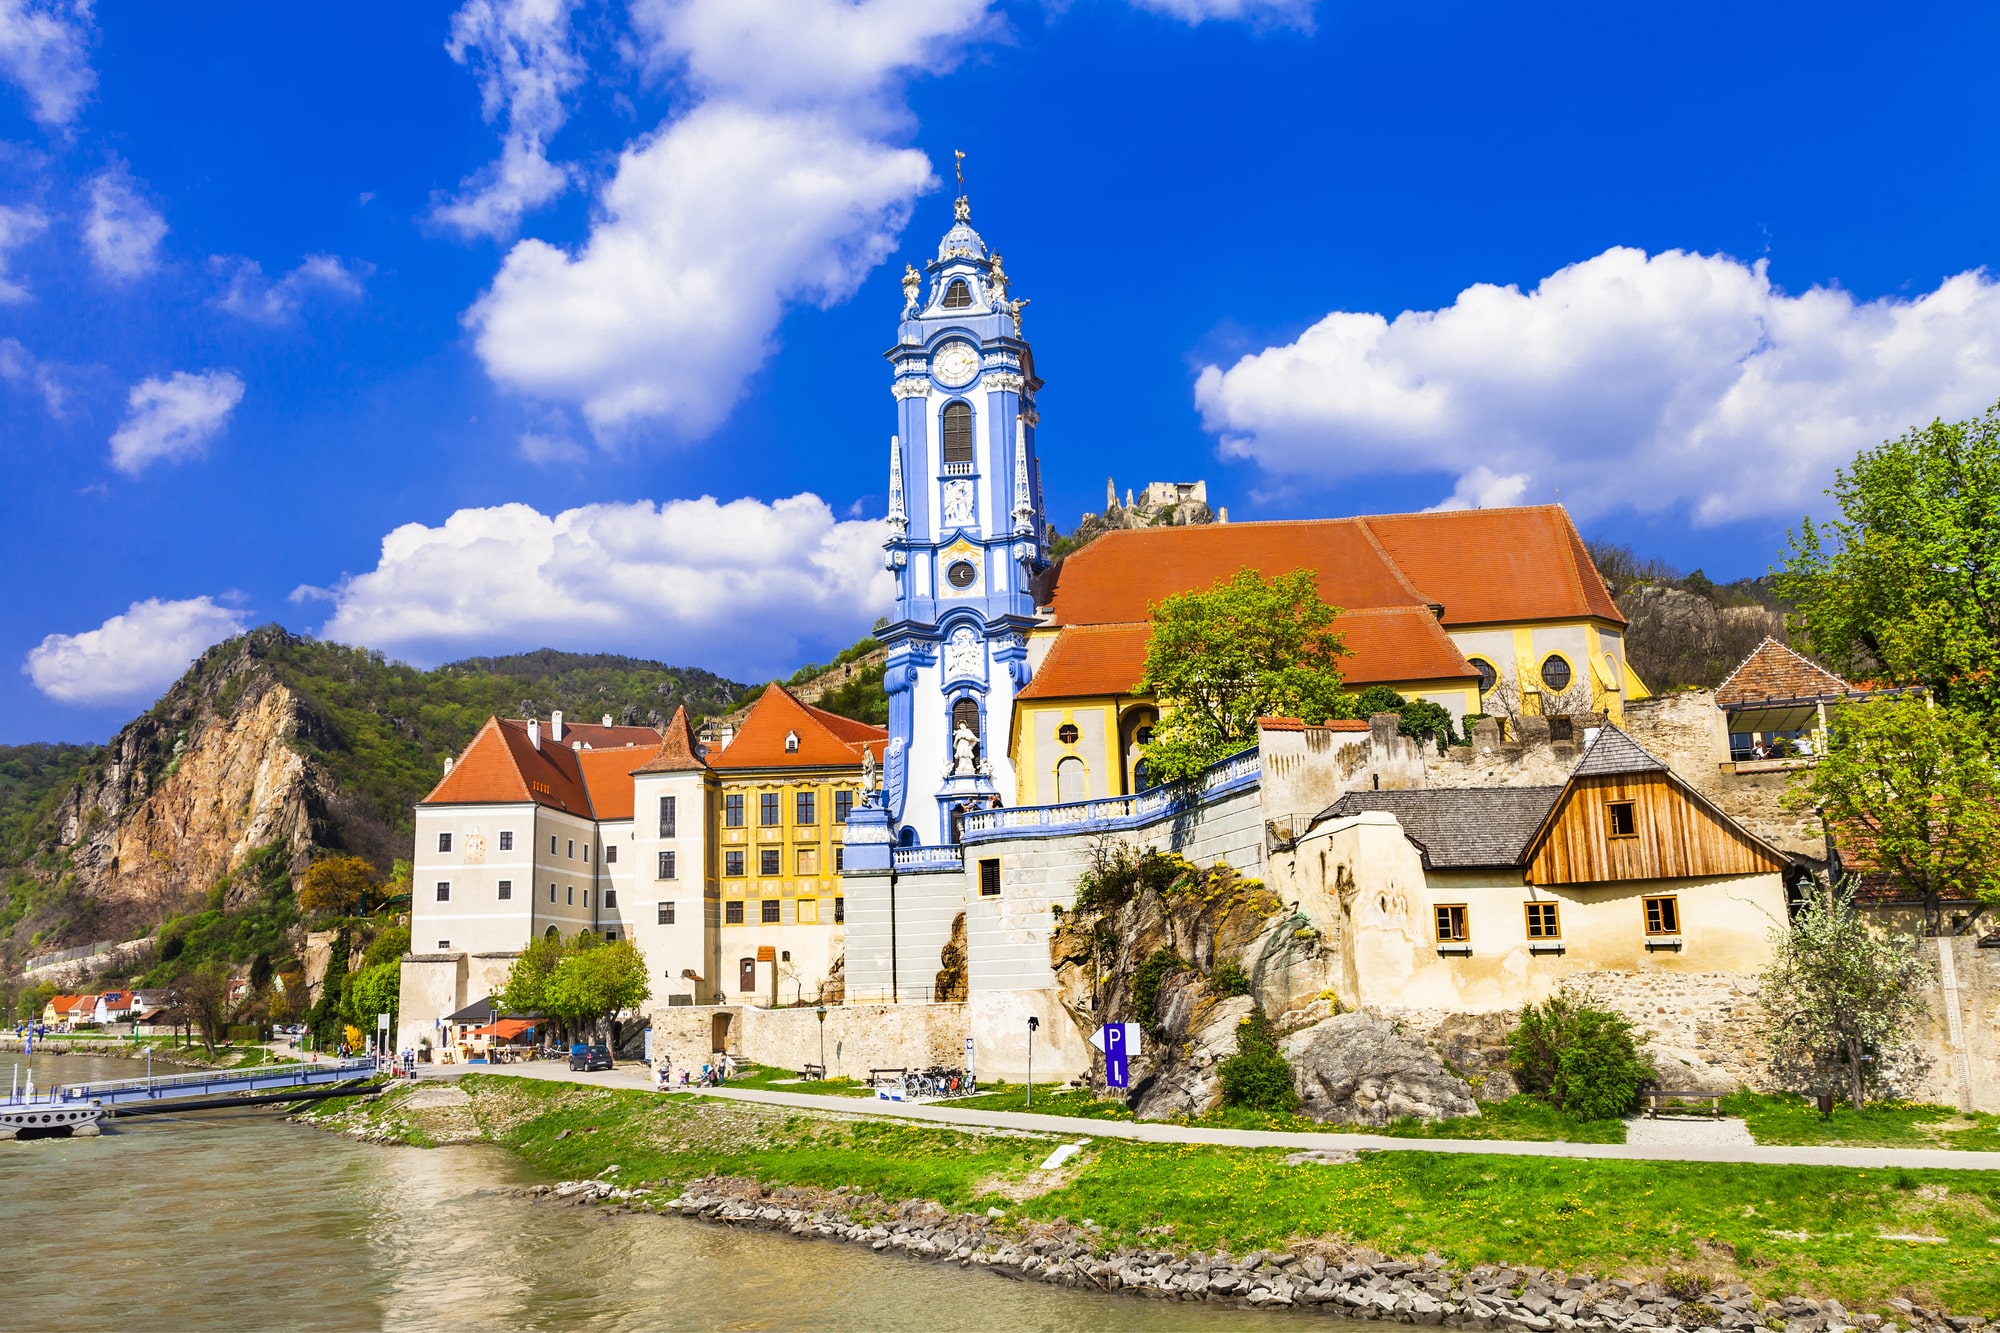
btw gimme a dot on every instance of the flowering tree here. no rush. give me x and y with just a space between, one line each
1841 999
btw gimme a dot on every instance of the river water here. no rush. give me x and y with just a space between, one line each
239 1220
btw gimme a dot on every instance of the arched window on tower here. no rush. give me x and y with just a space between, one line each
1070 780
957 296
958 433
965 713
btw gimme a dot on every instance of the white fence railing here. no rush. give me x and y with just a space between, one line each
1153 803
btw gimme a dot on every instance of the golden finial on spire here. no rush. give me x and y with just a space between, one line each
959 166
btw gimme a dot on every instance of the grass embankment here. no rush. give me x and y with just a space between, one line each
1816 1231
1887 1124
1516 1118
764 1078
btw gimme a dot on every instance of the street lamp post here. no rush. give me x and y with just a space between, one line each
821 1011
1033 1023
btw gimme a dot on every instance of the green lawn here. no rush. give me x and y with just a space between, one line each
1886 1124
1517 1118
1810 1230
768 1079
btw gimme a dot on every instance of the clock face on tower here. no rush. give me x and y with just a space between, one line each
955 364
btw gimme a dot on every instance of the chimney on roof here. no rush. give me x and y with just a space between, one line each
607 719
555 726
535 732
1222 514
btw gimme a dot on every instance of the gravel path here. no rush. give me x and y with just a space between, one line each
1703 1141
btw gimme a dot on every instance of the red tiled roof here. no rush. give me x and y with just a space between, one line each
1389 645
599 737
1773 671
501 766
826 740
1294 724
678 751
607 776
1485 566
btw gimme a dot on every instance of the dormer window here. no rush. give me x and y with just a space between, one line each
957 296
791 742
957 433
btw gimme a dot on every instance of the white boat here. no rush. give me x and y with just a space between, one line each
50 1119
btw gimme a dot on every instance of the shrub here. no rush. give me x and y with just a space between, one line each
1685 1286
1146 984
1229 979
1257 1076
1118 873
1583 1061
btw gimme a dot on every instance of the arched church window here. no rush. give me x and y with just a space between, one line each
958 433
1488 676
957 296
965 713
1069 780
1555 673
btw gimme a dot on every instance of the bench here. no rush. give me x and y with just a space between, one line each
813 1072
875 1075
1654 1096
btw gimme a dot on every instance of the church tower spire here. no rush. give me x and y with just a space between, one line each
967 533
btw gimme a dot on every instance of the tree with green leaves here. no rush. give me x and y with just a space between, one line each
1582 1060
596 983
336 885
1905 584
1841 1000
1222 657
1911 790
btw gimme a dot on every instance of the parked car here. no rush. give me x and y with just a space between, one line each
588 1058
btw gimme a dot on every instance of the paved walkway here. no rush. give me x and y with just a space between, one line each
638 1076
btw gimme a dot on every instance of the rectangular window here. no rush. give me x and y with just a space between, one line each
1542 922
808 861
732 810
767 809
805 808
506 840
586 853
839 860
1451 924
666 914
552 893
1663 916
1624 824
444 891
732 913
611 856
611 937
843 806
769 916
666 866
808 912
444 944
839 910
732 864
571 896
611 897
989 879
767 862
666 816
444 842
506 889
552 844
572 849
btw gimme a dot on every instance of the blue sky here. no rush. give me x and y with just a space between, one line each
511 287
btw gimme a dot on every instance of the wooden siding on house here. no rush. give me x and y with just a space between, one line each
1675 836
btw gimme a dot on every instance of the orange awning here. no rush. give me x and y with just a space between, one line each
505 1028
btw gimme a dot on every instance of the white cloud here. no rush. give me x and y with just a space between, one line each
708 232
1483 488
174 418
1679 381
780 185
43 51
20 366
130 658
123 230
18 226
523 54
1268 13
254 297
738 587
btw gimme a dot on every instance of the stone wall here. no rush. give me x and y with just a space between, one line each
859 1037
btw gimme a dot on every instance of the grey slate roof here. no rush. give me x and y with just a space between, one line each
1615 752
1459 828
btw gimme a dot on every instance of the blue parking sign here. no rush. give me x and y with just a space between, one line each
1117 1065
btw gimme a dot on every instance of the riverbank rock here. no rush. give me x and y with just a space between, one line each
1187 1081
1356 1069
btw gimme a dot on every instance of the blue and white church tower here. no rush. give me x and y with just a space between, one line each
966 537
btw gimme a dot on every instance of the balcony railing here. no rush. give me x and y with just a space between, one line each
928 858
1145 807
